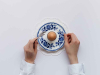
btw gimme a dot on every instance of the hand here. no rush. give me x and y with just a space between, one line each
30 53
71 46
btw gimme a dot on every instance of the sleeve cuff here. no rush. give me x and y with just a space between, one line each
76 69
27 68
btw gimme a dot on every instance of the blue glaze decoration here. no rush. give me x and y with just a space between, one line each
51 26
61 38
46 44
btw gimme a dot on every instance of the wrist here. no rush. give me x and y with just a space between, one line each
29 60
73 59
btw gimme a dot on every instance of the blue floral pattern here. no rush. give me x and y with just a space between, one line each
61 38
49 26
46 44
52 46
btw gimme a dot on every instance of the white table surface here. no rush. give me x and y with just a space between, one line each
17 20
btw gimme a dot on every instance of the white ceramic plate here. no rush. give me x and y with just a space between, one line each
51 45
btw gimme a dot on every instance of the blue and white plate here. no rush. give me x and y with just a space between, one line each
51 45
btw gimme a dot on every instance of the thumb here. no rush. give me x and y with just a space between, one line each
66 39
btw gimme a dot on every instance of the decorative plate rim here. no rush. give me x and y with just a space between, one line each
46 48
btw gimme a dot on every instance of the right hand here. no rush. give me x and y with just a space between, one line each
71 46
30 53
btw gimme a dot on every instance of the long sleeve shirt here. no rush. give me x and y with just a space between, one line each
28 69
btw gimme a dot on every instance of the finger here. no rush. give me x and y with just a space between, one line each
69 34
35 47
36 44
66 39
74 37
69 40
31 43
37 41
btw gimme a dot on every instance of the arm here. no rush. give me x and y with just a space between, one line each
71 46
27 65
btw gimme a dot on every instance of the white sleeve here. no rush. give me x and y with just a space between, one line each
76 69
27 68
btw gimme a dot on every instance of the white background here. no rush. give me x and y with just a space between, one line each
17 21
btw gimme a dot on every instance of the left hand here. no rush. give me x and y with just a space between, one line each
30 53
